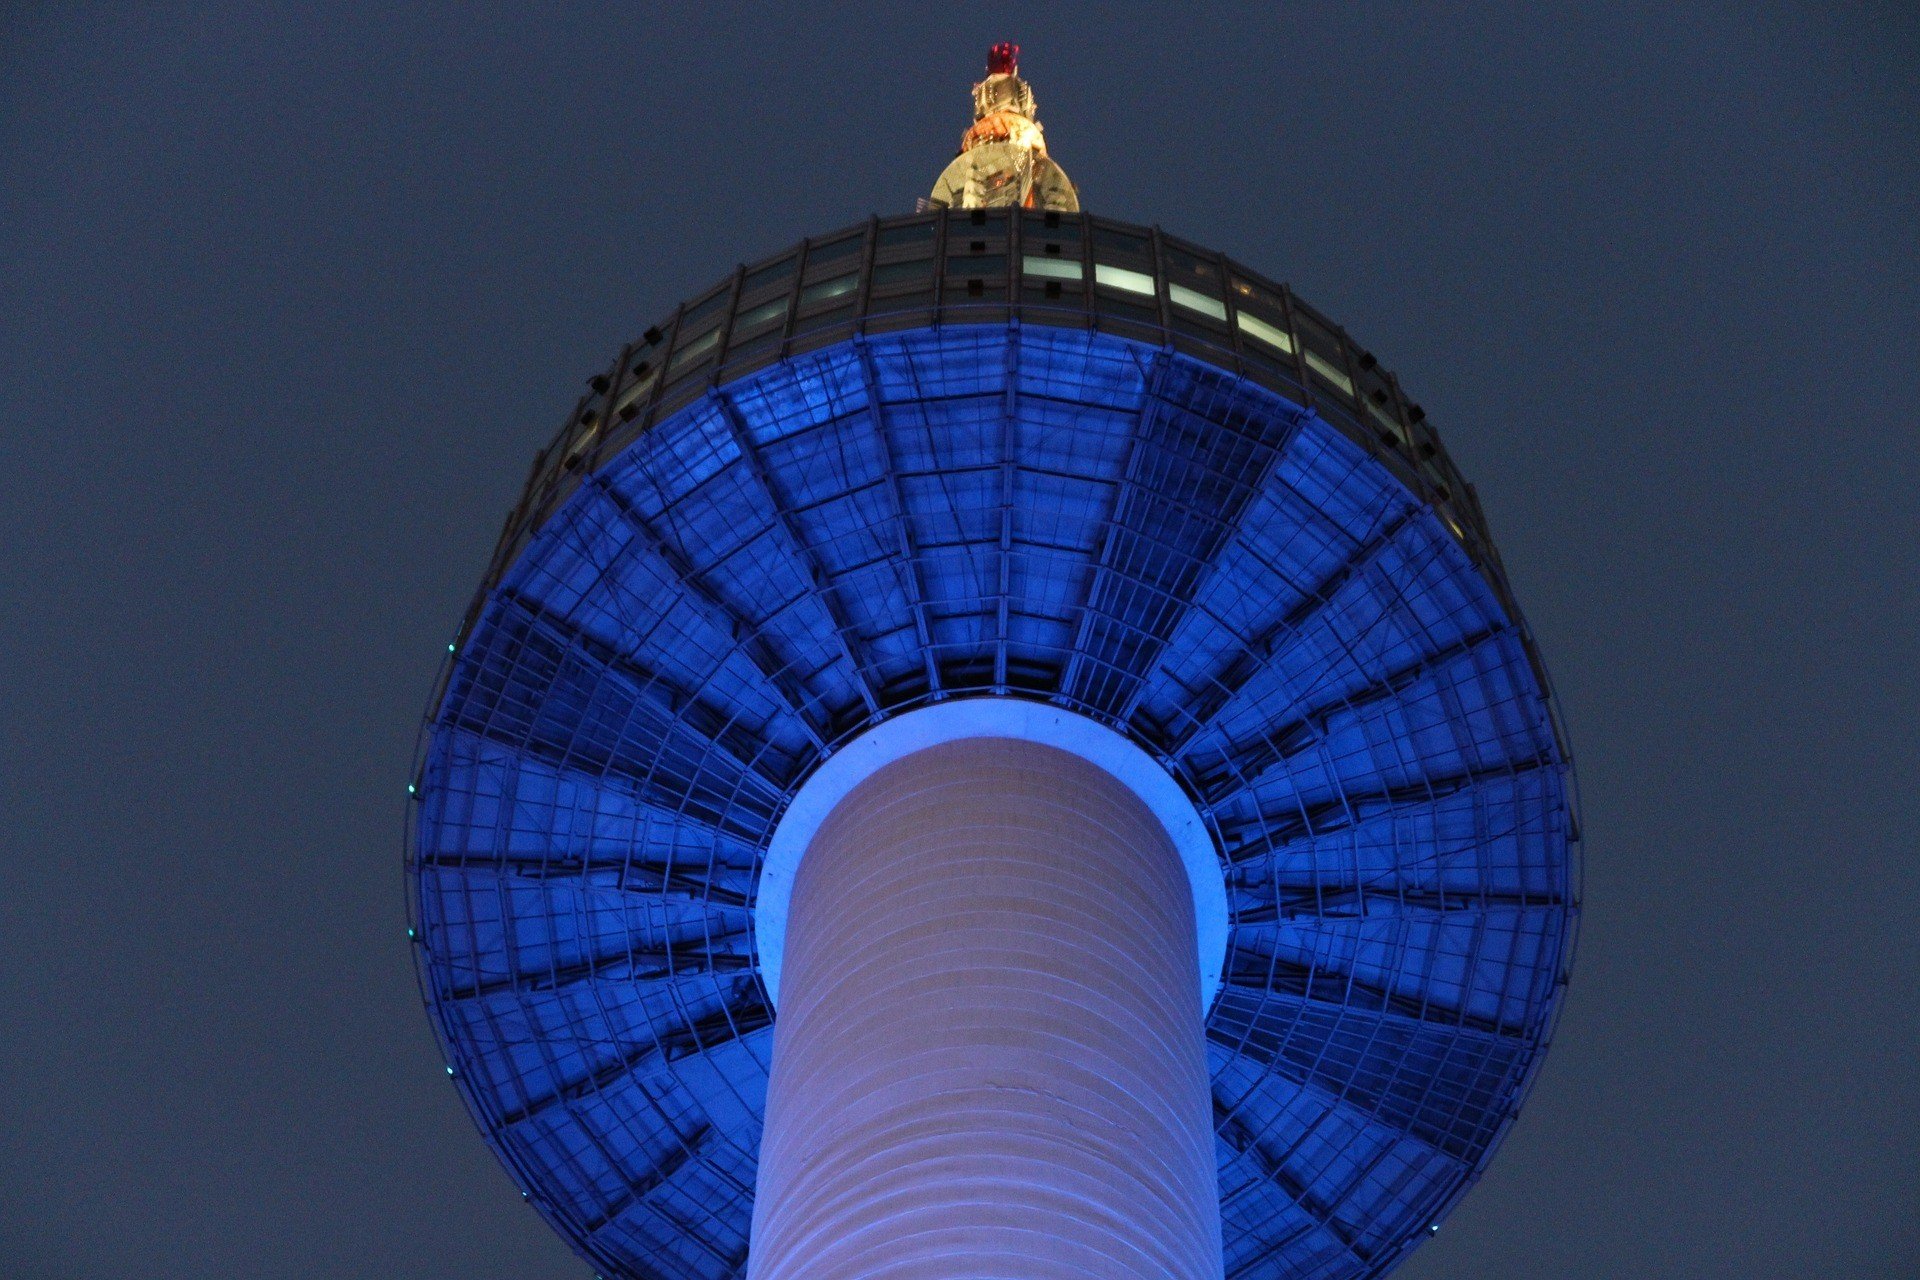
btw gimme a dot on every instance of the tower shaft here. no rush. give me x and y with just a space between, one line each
989 1059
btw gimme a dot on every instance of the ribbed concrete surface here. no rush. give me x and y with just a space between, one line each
988 1061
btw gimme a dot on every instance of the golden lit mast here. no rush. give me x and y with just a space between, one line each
1003 158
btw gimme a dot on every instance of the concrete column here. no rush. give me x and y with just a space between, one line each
988 1060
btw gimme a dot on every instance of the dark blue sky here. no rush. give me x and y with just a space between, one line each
290 300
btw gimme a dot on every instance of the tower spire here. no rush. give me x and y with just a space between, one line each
1003 156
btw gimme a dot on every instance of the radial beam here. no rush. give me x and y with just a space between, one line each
674 960
909 553
823 585
1446 1090
1355 902
1111 530
1212 701
698 1036
1228 533
689 1149
1333 989
1009 414
743 635
718 810
702 721
1243 1142
631 876
1275 831
1253 760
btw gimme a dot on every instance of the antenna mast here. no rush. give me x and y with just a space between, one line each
1003 156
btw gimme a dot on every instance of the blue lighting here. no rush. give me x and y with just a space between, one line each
1057 514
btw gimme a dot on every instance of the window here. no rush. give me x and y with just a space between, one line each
833 288
1181 261
702 311
1051 268
693 351
1274 336
760 315
626 406
1113 239
894 237
991 266
1194 300
757 280
1334 376
900 273
832 251
1121 278
1052 237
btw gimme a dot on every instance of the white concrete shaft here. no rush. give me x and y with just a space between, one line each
988 1062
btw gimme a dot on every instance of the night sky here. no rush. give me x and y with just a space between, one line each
287 303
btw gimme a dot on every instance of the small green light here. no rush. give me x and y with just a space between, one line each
449 1070
450 649
409 933
410 790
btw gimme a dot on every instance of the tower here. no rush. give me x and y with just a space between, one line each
995 742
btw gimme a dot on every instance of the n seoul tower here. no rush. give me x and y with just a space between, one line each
995 745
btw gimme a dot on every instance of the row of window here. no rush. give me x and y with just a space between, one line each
757 313
746 321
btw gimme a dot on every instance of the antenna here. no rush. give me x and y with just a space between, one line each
1003 156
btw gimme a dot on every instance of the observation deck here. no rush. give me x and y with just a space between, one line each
1004 454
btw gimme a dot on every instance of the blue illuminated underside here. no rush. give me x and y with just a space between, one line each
994 510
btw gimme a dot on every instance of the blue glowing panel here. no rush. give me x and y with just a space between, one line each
1016 511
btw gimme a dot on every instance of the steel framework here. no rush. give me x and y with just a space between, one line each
995 454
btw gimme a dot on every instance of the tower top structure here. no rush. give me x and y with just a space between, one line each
994 471
1003 155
